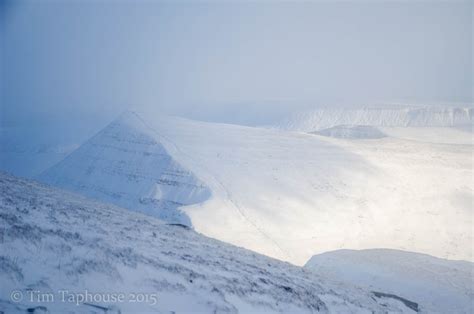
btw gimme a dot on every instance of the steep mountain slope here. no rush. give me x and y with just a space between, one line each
292 195
437 285
63 253
125 166
393 116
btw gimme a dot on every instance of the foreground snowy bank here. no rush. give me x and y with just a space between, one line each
66 254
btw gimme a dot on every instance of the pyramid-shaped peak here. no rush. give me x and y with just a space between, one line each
125 164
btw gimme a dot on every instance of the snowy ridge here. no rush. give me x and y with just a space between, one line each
394 116
284 194
52 240
437 285
126 166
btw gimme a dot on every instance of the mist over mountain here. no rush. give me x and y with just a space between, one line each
236 156
69 67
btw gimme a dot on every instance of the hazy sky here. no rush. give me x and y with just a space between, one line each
69 66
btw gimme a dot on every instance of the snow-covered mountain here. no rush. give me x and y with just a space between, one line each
437 285
63 253
126 166
284 194
388 116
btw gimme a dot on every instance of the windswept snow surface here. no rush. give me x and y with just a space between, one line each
390 116
437 285
57 249
290 195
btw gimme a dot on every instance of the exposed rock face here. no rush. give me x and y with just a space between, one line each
126 166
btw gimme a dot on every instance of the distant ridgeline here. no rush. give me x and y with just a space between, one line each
391 116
